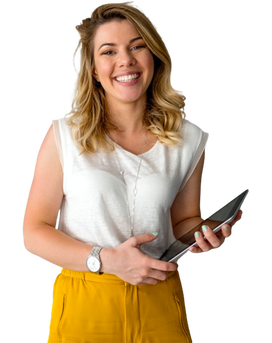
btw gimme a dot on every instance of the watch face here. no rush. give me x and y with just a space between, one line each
93 264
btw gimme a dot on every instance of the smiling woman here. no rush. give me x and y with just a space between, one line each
124 170
114 32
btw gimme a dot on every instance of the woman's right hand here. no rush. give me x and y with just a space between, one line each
130 264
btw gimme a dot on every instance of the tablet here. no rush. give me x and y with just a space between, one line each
225 215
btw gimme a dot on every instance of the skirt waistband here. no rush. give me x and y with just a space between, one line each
107 278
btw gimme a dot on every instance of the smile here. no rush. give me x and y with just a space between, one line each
127 78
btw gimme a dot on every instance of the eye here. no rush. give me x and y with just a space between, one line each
108 53
138 47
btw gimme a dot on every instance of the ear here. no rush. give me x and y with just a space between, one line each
95 75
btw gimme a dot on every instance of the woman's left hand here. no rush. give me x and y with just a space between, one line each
213 240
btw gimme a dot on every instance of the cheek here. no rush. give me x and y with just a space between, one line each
103 70
149 62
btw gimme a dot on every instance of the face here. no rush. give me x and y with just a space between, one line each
123 63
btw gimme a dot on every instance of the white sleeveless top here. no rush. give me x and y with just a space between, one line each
95 205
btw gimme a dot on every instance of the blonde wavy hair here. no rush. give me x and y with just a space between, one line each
164 107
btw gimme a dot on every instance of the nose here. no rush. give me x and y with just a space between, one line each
126 59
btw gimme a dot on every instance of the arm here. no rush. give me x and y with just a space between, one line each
185 211
40 236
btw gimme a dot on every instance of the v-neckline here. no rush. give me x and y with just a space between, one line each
131 153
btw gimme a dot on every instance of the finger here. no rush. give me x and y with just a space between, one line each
226 230
148 281
162 266
157 275
201 242
238 217
145 238
211 236
153 276
195 249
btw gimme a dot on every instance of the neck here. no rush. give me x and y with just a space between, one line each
128 118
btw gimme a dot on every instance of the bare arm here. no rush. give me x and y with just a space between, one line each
186 215
185 211
40 236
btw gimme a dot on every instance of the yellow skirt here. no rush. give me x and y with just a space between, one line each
91 308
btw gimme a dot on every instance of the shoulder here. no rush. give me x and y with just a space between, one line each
63 132
48 154
190 129
59 120
192 135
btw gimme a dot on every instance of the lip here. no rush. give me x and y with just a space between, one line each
130 83
128 73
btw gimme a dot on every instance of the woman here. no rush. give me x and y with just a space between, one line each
125 171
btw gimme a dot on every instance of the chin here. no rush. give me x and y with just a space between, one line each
132 98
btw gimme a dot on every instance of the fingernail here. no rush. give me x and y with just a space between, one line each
205 228
197 234
155 233
225 227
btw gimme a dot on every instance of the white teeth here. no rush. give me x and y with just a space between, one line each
127 78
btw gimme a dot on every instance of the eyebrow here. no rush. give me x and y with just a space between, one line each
114 44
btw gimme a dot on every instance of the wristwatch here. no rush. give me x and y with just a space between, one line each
93 261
